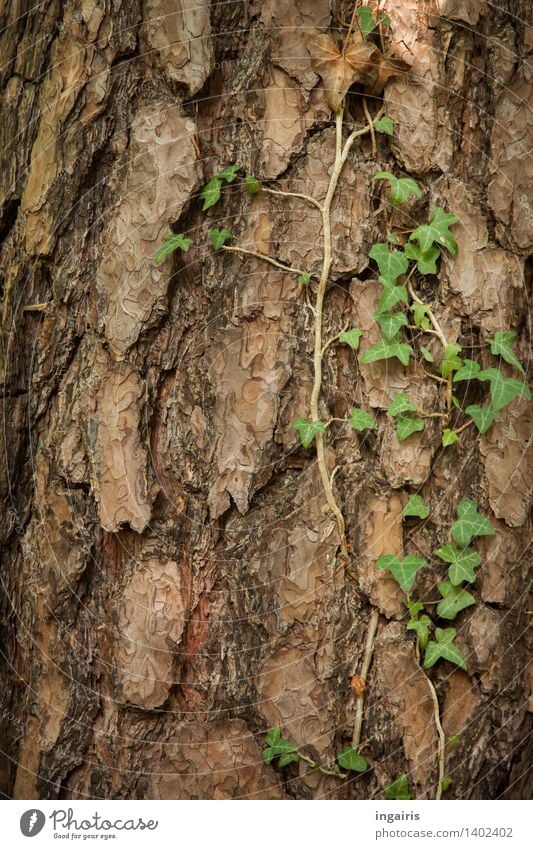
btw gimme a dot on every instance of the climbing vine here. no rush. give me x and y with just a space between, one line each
405 322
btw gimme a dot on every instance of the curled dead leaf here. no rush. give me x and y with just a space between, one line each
360 61
358 685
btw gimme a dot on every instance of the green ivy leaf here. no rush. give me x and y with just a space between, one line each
399 789
403 571
437 231
401 188
420 315
391 264
401 404
428 356
229 173
361 419
470 524
454 599
451 361
421 628
304 278
503 390
367 22
351 337
446 783
384 350
220 237
443 647
288 758
502 346
173 242
385 125
210 193
463 563
308 430
277 747
253 185
416 506
349 759
426 261
452 742
406 425
449 437
482 417
468 371
390 323
414 608
391 296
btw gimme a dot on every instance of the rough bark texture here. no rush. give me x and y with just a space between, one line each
169 583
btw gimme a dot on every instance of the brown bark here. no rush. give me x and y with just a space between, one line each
170 586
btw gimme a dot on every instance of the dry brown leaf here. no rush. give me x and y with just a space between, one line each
360 61
339 72
358 685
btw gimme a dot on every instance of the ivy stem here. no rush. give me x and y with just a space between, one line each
365 666
439 332
442 739
305 197
464 426
335 772
341 155
234 249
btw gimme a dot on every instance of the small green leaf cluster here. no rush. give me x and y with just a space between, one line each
285 752
403 411
367 21
398 789
462 561
503 389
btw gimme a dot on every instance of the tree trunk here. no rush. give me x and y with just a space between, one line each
171 581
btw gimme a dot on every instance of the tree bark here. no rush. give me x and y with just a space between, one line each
170 584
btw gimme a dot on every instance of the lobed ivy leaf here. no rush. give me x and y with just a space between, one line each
406 425
421 628
452 742
390 323
482 417
503 390
420 315
426 261
391 264
470 524
391 296
403 571
229 173
173 242
437 232
367 22
277 747
468 371
414 608
386 349
349 759
361 419
308 430
210 193
220 237
443 647
253 185
401 188
399 789
428 356
446 783
351 337
463 563
385 125
449 437
502 346
452 361
401 404
454 599
416 506
304 278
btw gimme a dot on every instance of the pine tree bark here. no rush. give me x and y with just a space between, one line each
170 586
